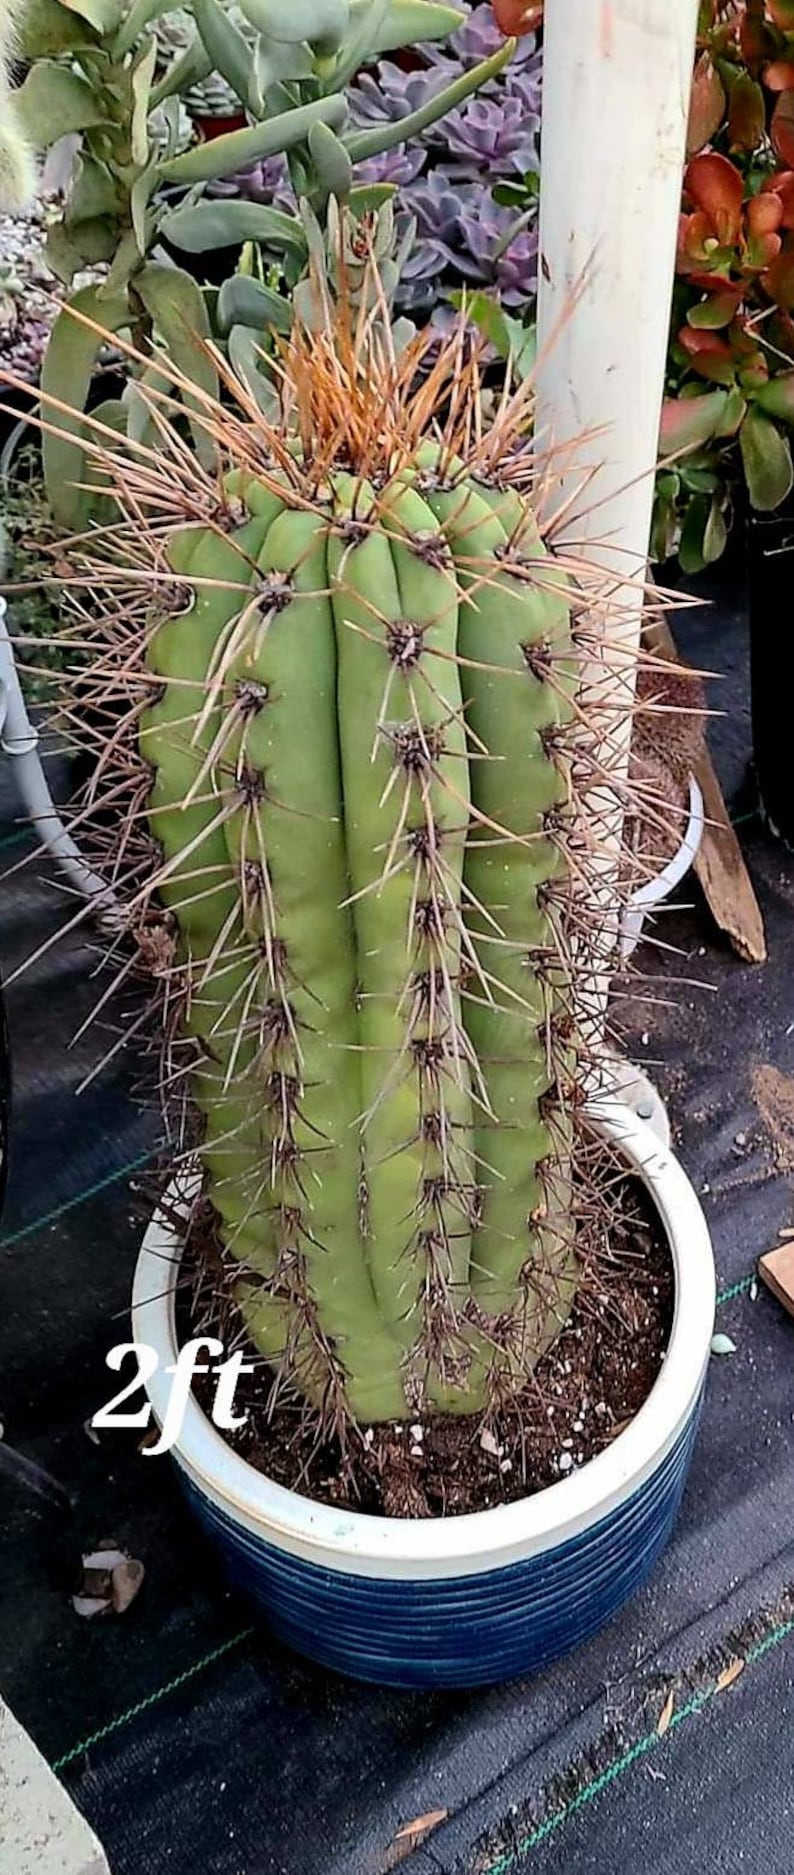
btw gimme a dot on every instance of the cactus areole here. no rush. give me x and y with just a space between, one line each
359 743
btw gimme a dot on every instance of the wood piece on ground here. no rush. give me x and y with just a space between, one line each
720 866
776 1269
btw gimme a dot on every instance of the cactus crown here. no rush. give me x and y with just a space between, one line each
352 857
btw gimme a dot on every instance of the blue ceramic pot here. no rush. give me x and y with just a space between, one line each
459 1601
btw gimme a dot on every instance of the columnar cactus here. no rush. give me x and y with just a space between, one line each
355 712
17 162
371 780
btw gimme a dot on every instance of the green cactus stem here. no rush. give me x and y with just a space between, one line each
360 752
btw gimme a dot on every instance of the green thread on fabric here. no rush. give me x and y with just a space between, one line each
736 1289
91 1191
619 1765
152 1699
14 839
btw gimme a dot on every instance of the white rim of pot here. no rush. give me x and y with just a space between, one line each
361 1544
655 890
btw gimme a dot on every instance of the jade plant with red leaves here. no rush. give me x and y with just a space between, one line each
730 381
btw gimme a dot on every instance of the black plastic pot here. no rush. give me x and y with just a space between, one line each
770 563
5 1099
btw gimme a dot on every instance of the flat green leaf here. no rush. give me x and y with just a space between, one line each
125 263
370 196
93 192
409 22
245 357
664 528
104 15
189 69
54 102
229 51
698 481
100 507
175 305
715 535
359 46
690 421
722 1344
47 30
733 413
275 64
141 14
691 553
365 143
746 113
782 128
509 337
203 226
766 458
140 196
776 397
321 23
331 161
66 374
139 423
510 195
706 105
243 301
142 75
714 313
223 155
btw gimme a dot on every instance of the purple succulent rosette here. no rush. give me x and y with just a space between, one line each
477 39
462 238
446 177
492 137
267 181
389 93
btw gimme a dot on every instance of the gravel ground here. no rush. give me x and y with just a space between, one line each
30 295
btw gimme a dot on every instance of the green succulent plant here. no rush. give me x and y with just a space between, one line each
351 724
93 72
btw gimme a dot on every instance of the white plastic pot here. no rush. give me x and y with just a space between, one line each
642 901
471 1599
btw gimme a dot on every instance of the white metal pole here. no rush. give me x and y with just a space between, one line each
616 83
19 740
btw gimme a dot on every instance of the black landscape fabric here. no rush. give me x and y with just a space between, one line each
209 1748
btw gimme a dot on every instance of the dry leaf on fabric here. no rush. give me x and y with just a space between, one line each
729 1674
666 1714
421 1825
